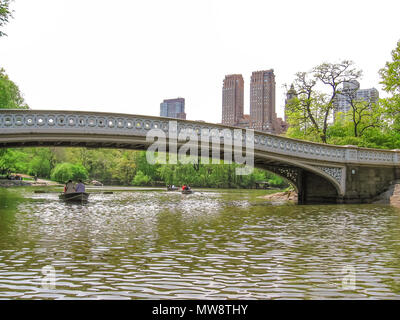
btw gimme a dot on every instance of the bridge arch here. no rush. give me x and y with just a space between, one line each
294 171
321 173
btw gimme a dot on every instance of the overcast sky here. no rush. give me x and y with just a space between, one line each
127 56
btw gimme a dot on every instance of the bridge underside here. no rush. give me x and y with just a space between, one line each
311 188
89 141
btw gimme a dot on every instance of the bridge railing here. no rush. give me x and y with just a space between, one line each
80 122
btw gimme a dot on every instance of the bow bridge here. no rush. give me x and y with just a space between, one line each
320 173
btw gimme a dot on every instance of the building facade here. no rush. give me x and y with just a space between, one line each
232 99
351 90
173 108
262 115
262 100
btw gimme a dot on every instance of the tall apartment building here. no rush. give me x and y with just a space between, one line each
352 89
262 100
173 108
262 115
232 99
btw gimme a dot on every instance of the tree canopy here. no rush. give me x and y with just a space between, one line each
312 115
125 167
390 79
5 14
10 96
312 109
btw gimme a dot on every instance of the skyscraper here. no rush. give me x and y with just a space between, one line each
262 101
232 99
262 115
173 108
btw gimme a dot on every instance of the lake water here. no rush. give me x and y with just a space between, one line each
214 244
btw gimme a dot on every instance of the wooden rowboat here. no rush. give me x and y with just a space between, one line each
74 197
187 191
172 189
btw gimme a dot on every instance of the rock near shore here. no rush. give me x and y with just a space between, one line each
287 196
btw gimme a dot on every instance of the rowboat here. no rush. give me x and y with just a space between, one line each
172 188
187 191
74 197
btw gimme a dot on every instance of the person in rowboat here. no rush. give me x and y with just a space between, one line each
80 187
185 187
69 187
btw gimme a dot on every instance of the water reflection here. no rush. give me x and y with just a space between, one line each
209 245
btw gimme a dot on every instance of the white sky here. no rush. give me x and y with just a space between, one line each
127 56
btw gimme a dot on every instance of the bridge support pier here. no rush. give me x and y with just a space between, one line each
364 184
301 187
314 189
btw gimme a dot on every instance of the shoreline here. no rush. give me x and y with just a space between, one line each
5 183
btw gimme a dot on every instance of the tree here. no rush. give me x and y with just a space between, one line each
5 14
333 75
303 110
41 163
10 96
363 113
312 110
14 160
390 76
140 179
65 171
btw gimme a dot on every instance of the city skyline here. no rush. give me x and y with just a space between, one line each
121 66
262 115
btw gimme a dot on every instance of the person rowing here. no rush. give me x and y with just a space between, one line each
80 187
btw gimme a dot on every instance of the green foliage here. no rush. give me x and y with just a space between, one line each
276 181
311 109
10 96
39 167
122 167
5 14
41 162
14 160
390 74
65 171
141 179
214 176
366 124
150 170
390 79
